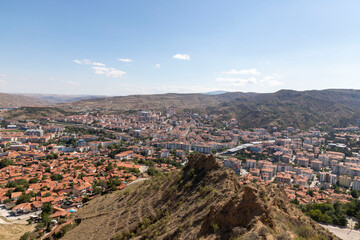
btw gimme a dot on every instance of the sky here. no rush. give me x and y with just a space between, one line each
118 47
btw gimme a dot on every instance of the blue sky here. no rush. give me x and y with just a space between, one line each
114 47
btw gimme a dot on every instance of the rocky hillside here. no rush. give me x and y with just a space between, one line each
302 109
15 100
204 201
293 108
158 101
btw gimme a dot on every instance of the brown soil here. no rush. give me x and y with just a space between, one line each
13 231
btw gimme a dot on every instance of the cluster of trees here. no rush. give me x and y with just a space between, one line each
56 177
102 134
103 187
243 155
158 161
327 212
19 186
333 213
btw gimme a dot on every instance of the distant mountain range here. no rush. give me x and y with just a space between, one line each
215 92
61 98
337 107
8 100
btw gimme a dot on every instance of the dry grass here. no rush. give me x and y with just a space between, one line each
193 205
13 231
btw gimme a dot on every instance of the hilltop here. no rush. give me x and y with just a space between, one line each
203 201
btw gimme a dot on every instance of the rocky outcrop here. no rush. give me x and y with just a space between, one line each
202 162
240 211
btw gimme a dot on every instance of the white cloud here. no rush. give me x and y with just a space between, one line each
181 56
2 82
252 71
98 64
126 60
83 61
2 75
108 72
101 69
272 80
237 81
157 65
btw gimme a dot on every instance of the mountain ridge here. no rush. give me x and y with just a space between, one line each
300 109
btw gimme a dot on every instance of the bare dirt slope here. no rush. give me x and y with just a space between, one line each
13 231
14 100
205 201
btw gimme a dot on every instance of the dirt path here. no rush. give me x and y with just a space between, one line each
138 180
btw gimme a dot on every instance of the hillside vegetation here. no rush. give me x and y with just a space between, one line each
204 201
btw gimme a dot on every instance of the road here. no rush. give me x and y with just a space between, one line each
344 233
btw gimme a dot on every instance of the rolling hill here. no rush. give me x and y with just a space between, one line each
337 107
158 101
15 100
293 108
203 201
301 109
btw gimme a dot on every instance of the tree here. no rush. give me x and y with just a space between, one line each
6 162
47 208
24 198
135 171
56 177
33 180
109 167
311 193
152 171
354 193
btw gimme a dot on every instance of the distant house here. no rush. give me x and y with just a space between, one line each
124 155
82 189
22 208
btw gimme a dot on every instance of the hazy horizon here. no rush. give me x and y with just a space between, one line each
206 93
